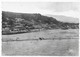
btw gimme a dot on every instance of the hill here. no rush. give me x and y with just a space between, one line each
26 22
64 18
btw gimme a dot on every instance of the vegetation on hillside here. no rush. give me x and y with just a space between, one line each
25 22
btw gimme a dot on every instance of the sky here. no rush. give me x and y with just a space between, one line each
70 9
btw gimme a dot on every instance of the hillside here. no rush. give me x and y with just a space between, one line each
64 18
25 22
